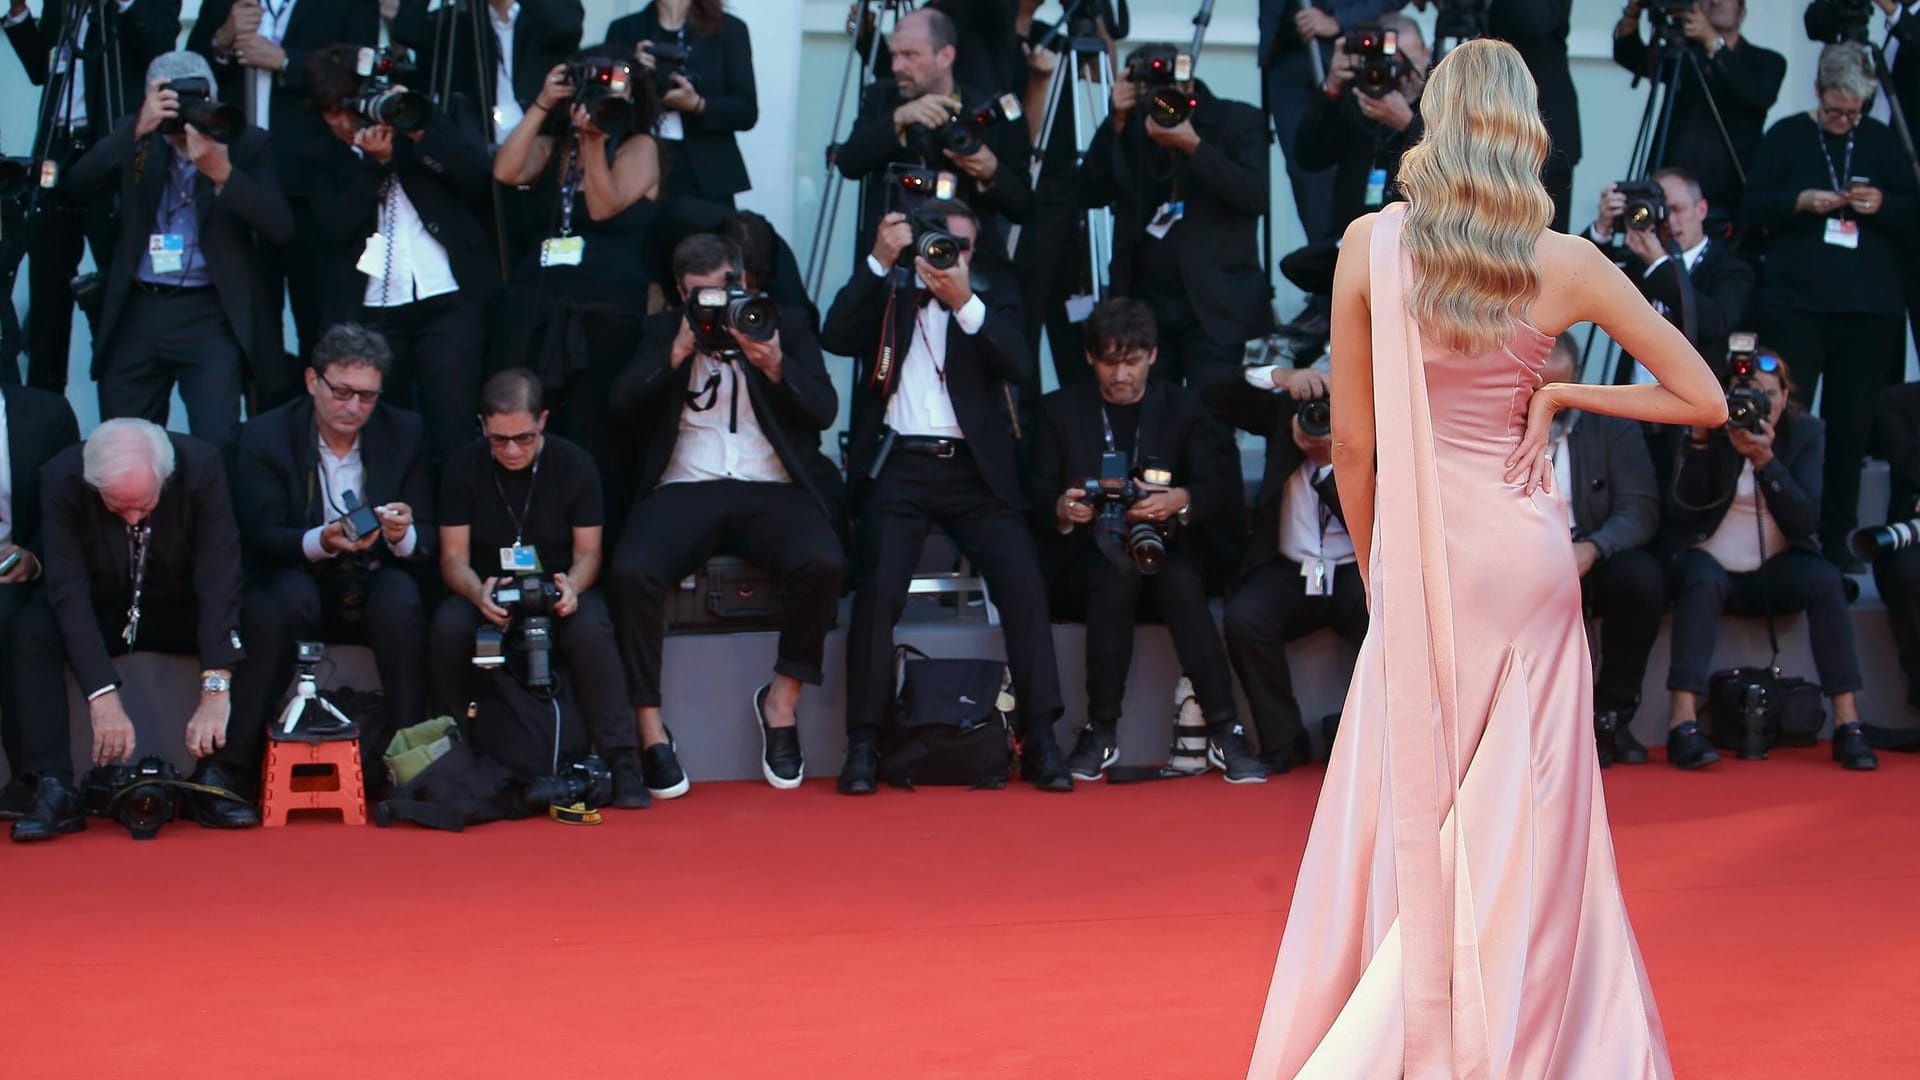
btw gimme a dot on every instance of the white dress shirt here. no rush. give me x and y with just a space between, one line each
1561 449
1735 545
920 404
6 478
1301 537
507 112
1689 259
339 475
722 441
415 265
274 17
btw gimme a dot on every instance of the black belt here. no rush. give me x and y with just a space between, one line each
155 289
931 445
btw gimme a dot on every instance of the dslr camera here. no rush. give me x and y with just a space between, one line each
576 794
604 88
16 177
1646 205
143 797
714 310
1139 545
1316 417
909 190
669 59
219 122
1380 63
1162 68
383 98
1835 21
528 599
964 133
1747 404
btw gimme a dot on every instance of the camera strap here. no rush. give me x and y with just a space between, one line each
139 539
570 177
1766 601
884 379
526 508
1106 428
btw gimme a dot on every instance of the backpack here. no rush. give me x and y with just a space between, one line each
951 725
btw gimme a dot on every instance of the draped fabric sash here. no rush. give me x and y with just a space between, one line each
1447 1032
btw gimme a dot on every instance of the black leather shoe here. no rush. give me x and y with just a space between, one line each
660 764
215 812
1688 748
55 811
1614 741
629 784
858 771
780 759
17 798
1041 763
1850 749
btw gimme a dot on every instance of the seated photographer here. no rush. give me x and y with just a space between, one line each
914 119
189 301
1604 474
1299 575
1836 194
1744 513
1741 81
326 489
733 466
142 553
407 253
1896 562
34 426
1126 470
526 38
701 61
931 442
515 503
1186 174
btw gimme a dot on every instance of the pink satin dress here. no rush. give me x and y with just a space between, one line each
1458 913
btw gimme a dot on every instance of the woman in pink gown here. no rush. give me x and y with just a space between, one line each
1458 912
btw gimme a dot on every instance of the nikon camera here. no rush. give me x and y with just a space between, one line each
528 599
714 310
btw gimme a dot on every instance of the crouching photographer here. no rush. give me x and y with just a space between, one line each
520 533
1745 512
1128 470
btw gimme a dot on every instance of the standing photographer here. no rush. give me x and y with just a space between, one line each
1836 195
521 501
1187 194
701 61
1107 560
1539 28
522 42
1742 81
1744 512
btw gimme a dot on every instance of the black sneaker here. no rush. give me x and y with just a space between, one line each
1850 748
1227 751
1688 748
1093 750
660 765
629 784
780 760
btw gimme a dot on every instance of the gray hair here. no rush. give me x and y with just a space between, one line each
179 64
352 343
119 448
1846 68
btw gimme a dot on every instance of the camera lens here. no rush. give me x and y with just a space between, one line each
940 250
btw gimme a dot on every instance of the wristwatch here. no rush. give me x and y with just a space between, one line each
212 682
1184 515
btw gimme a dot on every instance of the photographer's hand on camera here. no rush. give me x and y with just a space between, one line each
160 106
593 141
1163 505
554 90
681 96
25 570
483 600
376 141
1072 509
953 287
1755 446
683 344
1646 245
333 538
929 110
982 165
1612 205
569 601
1393 110
1126 98
1182 138
1340 73
1700 30
892 237
207 729
210 156
764 355
113 737
1301 384
1318 448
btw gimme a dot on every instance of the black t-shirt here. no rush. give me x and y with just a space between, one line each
565 495
1124 420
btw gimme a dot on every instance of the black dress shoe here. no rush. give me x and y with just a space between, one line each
1628 750
55 811
858 772
216 812
1688 748
1041 763
1613 739
629 784
17 798
1850 748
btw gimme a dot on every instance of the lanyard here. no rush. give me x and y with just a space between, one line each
1106 428
519 519
1847 167
137 547
569 184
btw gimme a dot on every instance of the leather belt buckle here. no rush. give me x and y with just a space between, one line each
944 449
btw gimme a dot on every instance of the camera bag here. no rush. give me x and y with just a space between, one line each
1794 713
439 782
952 724
726 595
532 734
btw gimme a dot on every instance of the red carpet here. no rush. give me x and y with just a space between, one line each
743 932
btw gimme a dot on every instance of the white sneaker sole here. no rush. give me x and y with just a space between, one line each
779 782
685 785
1106 762
1220 763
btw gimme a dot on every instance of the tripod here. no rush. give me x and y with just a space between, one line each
1084 77
440 86
306 695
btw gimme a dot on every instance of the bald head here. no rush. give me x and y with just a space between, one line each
922 46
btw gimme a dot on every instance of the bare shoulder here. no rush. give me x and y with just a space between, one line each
1571 268
1356 253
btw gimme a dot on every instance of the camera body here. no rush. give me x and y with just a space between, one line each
1836 21
383 98
199 107
1747 404
965 131
1316 417
909 189
526 594
1139 545
1381 65
670 59
359 520
143 796
715 310
528 600
1646 205
604 88
573 794
1163 69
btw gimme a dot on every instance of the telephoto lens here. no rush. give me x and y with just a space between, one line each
218 121
1876 540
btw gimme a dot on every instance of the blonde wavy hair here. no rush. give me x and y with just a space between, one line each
1476 206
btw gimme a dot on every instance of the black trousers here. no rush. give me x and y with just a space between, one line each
276 381
1269 608
179 339
913 493
1790 582
33 697
1627 592
1186 348
1052 261
1110 601
1898 578
582 641
59 231
1290 92
1311 267
1851 355
1558 179
289 607
672 532
439 348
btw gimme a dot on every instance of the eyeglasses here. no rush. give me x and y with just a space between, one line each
1832 113
344 394
521 439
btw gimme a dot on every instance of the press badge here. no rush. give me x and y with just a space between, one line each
1319 577
562 251
168 252
517 557
1376 188
373 261
670 126
1164 219
1844 234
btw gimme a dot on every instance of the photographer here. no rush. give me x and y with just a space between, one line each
1742 81
1539 28
932 443
519 500
733 465
34 426
142 553
1721 281
188 296
1836 195
1903 53
905 120
1299 575
1187 201
524 39
706 89
1896 573
1744 512
1103 564
304 471
407 255
126 39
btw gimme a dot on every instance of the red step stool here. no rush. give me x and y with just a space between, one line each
313 776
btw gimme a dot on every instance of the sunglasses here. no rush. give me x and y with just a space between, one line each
522 439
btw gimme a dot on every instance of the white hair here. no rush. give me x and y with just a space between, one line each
118 448
1846 67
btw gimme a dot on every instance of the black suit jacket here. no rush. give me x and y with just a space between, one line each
447 177
1174 429
792 412
314 24
1703 488
1268 414
1905 75
1744 80
1538 28
1616 503
1224 186
546 33
276 481
1897 439
235 226
1279 39
721 67
40 424
1336 135
142 32
984 370
986 50
1722 284
193 559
